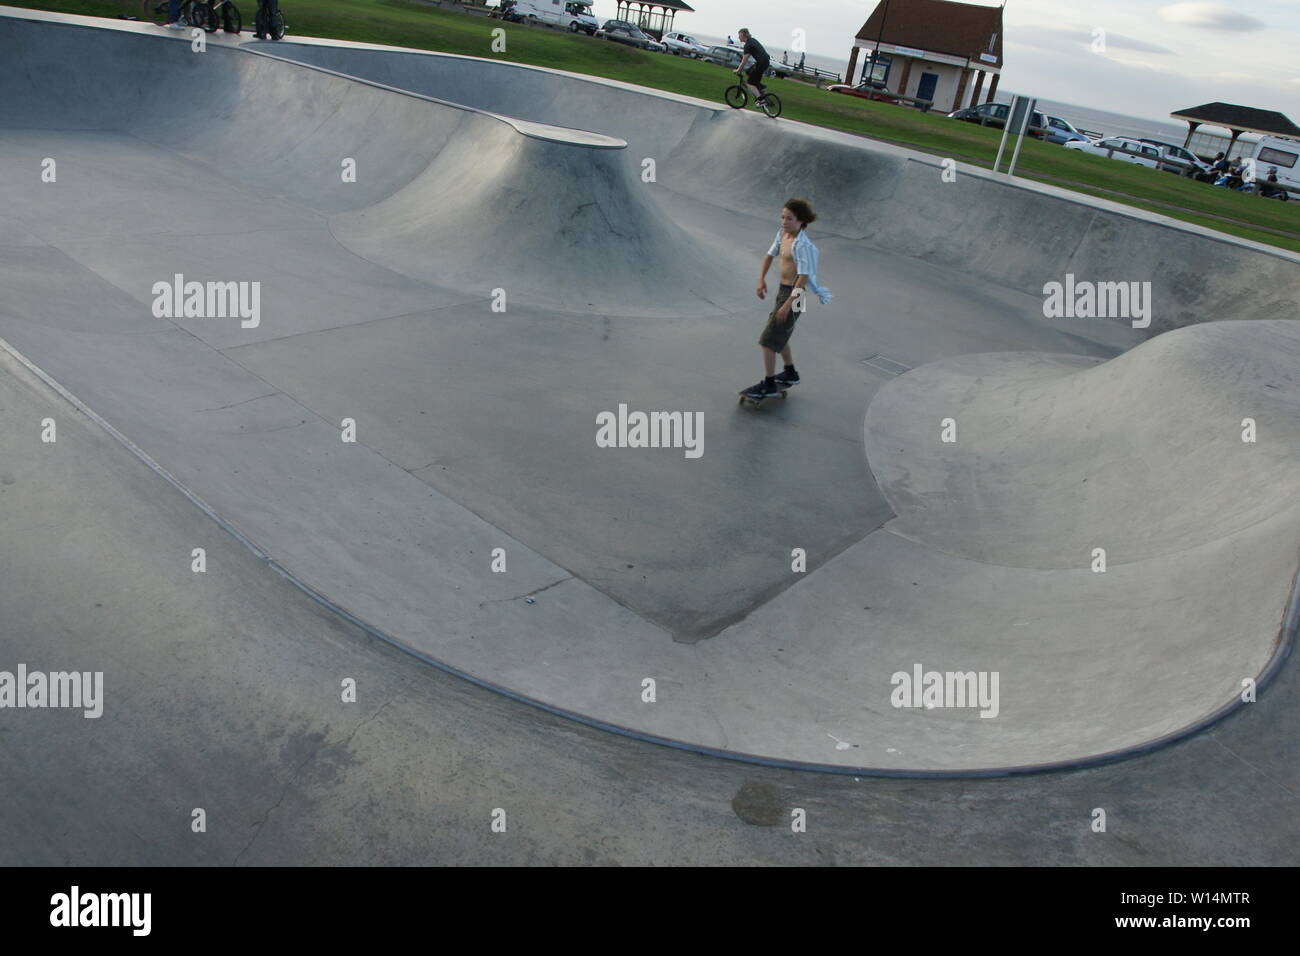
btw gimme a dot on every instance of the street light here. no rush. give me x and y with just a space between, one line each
875 56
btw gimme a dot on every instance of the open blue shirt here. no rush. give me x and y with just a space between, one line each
805 263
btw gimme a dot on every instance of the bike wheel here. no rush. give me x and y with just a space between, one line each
736 97
202 15
771 105
230 19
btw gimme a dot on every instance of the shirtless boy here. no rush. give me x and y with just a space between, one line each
797 267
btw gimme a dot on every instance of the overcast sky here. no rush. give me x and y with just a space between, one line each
1159 56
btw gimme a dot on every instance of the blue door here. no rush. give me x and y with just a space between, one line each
925 89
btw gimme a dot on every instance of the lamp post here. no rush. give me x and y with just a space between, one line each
875 55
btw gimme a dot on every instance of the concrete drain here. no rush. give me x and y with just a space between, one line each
887 365
759 804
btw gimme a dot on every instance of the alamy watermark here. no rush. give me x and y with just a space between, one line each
651 430
931 689
1083 299
57 689
179 299
75 908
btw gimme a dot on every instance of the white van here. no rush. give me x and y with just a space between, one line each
1284 154
572 15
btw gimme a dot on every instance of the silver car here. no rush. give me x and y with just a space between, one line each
728 56
681 44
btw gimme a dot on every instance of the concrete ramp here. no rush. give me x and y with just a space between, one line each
1019 235
568 225
1050 456
776 591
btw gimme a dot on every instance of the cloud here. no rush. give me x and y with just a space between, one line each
1210 16
1121 42
1051 38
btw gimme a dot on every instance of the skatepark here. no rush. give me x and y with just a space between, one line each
475 426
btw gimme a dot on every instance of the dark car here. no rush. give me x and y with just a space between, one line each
995 115
620 31
867 89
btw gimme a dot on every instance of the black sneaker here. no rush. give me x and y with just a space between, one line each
761 390
785 378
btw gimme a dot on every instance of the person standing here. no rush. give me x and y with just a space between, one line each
174 16
796 257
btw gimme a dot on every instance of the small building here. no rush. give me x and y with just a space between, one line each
1237 120
935 50
654 17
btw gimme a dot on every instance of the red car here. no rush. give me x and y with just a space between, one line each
867 89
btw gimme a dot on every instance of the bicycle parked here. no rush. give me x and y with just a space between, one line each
209 14
269 21
737 97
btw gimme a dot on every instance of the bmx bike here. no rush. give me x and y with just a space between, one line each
737 97
210 14
268 23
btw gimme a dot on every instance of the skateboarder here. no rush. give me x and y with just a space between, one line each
797 266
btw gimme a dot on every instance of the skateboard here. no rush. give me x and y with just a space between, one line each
746 400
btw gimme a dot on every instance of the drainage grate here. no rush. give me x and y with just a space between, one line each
888 365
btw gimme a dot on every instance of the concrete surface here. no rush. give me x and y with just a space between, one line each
476 427
222 692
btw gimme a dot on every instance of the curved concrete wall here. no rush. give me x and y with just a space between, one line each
482 189
1010 233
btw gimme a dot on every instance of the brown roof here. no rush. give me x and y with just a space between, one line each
666 4
1246 118
937 26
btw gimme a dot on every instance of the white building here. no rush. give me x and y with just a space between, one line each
935 50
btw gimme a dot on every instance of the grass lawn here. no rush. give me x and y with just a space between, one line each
454 30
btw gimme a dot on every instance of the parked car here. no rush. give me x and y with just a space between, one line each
1176 159
621 31
867 89
995 115
680 44
1121 148
1061 131
573 15
728 56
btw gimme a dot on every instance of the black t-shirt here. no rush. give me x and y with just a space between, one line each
755 49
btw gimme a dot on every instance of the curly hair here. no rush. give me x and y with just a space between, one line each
803 211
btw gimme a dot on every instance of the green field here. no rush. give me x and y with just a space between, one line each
452 29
